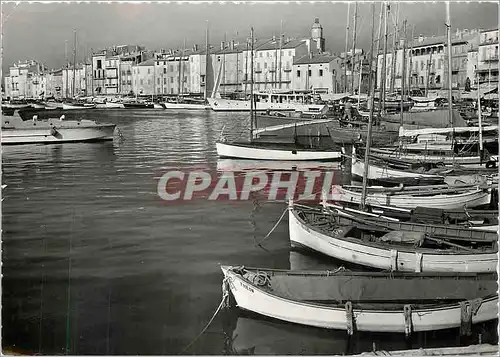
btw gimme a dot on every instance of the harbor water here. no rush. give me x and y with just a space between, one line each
94 262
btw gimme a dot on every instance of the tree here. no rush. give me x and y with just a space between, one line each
467 84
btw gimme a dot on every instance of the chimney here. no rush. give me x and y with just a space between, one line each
222 45
195 48
420 38
232 44
401 43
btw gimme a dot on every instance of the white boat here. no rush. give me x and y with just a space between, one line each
17 131
386 173
53 105
109 105
270 101
343 243
447 198
186 105
265 151
158 106
264 296
73 106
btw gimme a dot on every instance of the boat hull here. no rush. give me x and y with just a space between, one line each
45 134
230 105
470 199
251 297
77 107
185 106
237 151
373 256
109 106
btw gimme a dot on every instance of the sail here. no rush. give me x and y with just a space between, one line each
215 90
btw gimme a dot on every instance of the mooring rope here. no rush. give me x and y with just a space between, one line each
274 227
223 303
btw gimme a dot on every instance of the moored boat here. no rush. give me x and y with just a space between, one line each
443 197
17 131
396 251
138 105
74 106
317 299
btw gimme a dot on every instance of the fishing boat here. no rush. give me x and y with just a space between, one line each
446 221
186 104
138 105
17 131
396 250
385 224
446 197
410 303
16 104
74 106
262 150
109 105
385 172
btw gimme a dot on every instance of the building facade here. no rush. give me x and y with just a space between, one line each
25 80
488 57
80 83
143 78
320 74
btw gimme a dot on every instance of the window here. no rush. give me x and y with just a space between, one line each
164 81
309 72
171 90
142 82
438 79
157 63
171 68
298 74
321 73
422 65
267 54
99 64
158 81
171 79
149 71
265 65
164 70
440 63
290 53
421 79
260 54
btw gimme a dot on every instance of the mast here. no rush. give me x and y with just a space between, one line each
281 48
403 76
381 101
251 85
394 45
428 75
378 41
67 68
92 71
450 99
237 65
346 45
246 70
360 74
276 65
74 66
207 50
224 64
354 45
182 67
410 77
370 119
479 115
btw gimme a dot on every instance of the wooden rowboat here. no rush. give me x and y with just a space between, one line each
363 301
395 251
443 196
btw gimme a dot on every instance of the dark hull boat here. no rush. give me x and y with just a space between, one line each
138 105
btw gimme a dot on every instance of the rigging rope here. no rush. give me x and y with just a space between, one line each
222 304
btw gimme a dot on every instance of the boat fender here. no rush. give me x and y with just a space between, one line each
408 321
262 279
349 318
418 262
491 164
394 260
467 310
53 131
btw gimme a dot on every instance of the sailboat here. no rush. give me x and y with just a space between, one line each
270 150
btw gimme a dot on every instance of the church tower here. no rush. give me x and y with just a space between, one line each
317 35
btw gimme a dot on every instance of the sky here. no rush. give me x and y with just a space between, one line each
41 31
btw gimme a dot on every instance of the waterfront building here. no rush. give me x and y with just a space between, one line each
80 83
198 77
54 84
488 57
228 60
427 64
143 77
320 73
19 84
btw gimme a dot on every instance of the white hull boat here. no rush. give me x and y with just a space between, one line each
263 152
341 243
230 105
66 106
185 106
109 105
158 106
270 300
16 131
468 197
380 173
